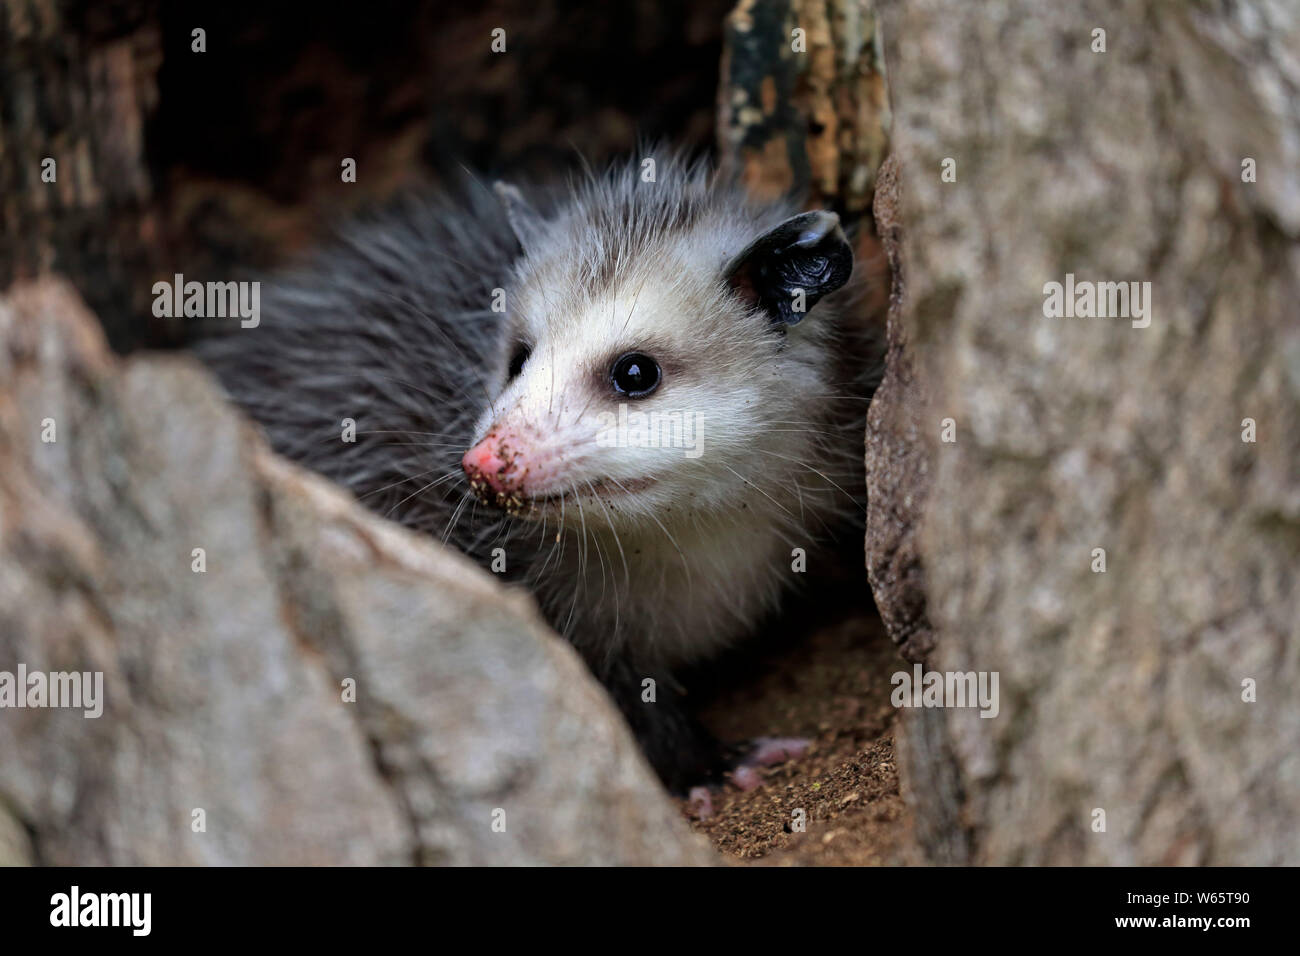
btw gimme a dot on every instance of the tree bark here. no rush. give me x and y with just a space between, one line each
802 105
77 86
1126 692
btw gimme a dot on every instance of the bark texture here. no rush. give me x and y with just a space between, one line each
802 105
78 84
224 688
1126 691
228 161
898 464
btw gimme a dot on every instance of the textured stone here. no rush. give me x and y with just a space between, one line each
224 688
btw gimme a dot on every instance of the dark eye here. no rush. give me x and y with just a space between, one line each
517 360
635 375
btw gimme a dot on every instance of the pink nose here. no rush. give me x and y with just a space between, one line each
489 462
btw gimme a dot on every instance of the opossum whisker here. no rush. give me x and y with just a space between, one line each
815 428
541 537
436 326
562 541
681 554
405 431
636 299
595 540
419 491
797 431
437 399
582 520
455 517
600 554
755 486
489 534
400 481
627 575
503 530
803 464
582 569
555 545
420 444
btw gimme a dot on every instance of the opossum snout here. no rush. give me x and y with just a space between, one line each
485 461
495 472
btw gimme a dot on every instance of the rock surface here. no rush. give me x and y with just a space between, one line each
1126 692
224 688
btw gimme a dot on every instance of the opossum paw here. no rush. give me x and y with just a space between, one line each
766 752
744 763
699 803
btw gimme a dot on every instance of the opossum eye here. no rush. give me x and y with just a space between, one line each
635 375
517 361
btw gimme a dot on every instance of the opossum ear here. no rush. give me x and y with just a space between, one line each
789 269
525 221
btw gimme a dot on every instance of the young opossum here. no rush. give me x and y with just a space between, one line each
632 388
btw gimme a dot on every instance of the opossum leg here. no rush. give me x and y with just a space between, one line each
700 802
678 746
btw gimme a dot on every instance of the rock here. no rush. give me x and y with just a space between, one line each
1156 699
223 688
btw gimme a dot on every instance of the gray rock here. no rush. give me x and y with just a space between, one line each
223 689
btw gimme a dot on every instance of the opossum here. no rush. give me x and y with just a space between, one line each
641 395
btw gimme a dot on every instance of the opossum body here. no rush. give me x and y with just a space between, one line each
636 398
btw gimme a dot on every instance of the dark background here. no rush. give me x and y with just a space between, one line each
229 160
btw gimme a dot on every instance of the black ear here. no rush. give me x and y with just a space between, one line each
526 223
807 253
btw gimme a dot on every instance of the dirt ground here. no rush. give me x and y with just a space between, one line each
830 684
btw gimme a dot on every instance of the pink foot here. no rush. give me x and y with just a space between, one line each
700 803
746 778
766 752
773 750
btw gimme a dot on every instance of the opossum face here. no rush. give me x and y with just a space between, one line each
660 387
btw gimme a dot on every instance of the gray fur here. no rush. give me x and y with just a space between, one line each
391 326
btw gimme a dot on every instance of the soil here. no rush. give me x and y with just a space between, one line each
828 682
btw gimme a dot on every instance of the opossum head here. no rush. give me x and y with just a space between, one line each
659 359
